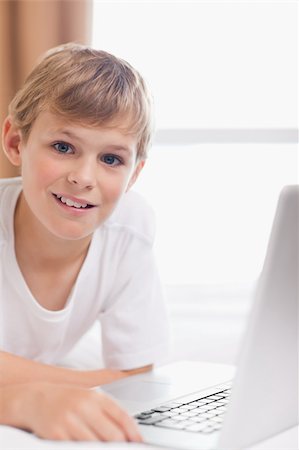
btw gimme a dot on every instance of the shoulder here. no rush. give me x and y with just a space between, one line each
133 216
9 191
10 185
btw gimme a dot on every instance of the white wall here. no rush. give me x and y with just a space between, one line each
212 65
214 207
209 63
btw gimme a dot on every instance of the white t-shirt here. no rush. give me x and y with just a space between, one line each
118 285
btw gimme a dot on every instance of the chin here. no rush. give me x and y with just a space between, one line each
71 233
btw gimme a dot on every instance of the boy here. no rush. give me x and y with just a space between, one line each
76 245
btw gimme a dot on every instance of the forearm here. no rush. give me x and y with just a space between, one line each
59 412
11 398
18 370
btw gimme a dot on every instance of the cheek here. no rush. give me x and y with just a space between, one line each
41 172
113 187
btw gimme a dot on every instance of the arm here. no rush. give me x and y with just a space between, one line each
18 370
59 412
54 403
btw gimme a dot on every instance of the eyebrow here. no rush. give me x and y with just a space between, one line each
69 134
120 148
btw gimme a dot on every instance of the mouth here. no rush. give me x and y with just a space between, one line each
68 202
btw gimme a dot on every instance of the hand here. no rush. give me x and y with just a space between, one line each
59 412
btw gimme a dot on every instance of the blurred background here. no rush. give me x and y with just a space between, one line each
224 77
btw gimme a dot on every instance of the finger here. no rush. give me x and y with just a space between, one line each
94 414
103 426
130 428
122 419
106 429
53 433
79 430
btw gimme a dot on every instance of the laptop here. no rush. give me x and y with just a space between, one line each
206 406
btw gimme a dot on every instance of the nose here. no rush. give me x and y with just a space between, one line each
82 174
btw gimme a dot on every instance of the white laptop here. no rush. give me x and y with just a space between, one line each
196 406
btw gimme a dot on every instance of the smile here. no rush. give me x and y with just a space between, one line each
68 202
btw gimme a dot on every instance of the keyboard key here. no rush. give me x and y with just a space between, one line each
196 427
186 423
191 413
221 409
173 413
217 426
151 420
145 414
183 408
215 397
198 403
142 415
190 407
219 413
199 419
217 419
206 408
170 424
177 410
208 400
190 419
219 403
207 415
161 409
179 417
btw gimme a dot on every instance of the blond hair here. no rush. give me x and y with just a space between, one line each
89 86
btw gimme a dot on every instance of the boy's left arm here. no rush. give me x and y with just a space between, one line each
109 375
18 370
139 370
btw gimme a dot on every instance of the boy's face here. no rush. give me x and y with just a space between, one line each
74 175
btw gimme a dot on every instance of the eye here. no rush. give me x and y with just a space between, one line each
111 160
62 147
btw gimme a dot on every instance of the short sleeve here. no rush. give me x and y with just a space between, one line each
134 320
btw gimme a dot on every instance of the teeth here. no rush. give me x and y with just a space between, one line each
70 202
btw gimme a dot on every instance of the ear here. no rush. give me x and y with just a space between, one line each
136 173
11 140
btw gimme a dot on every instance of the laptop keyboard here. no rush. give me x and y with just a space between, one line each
204 415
